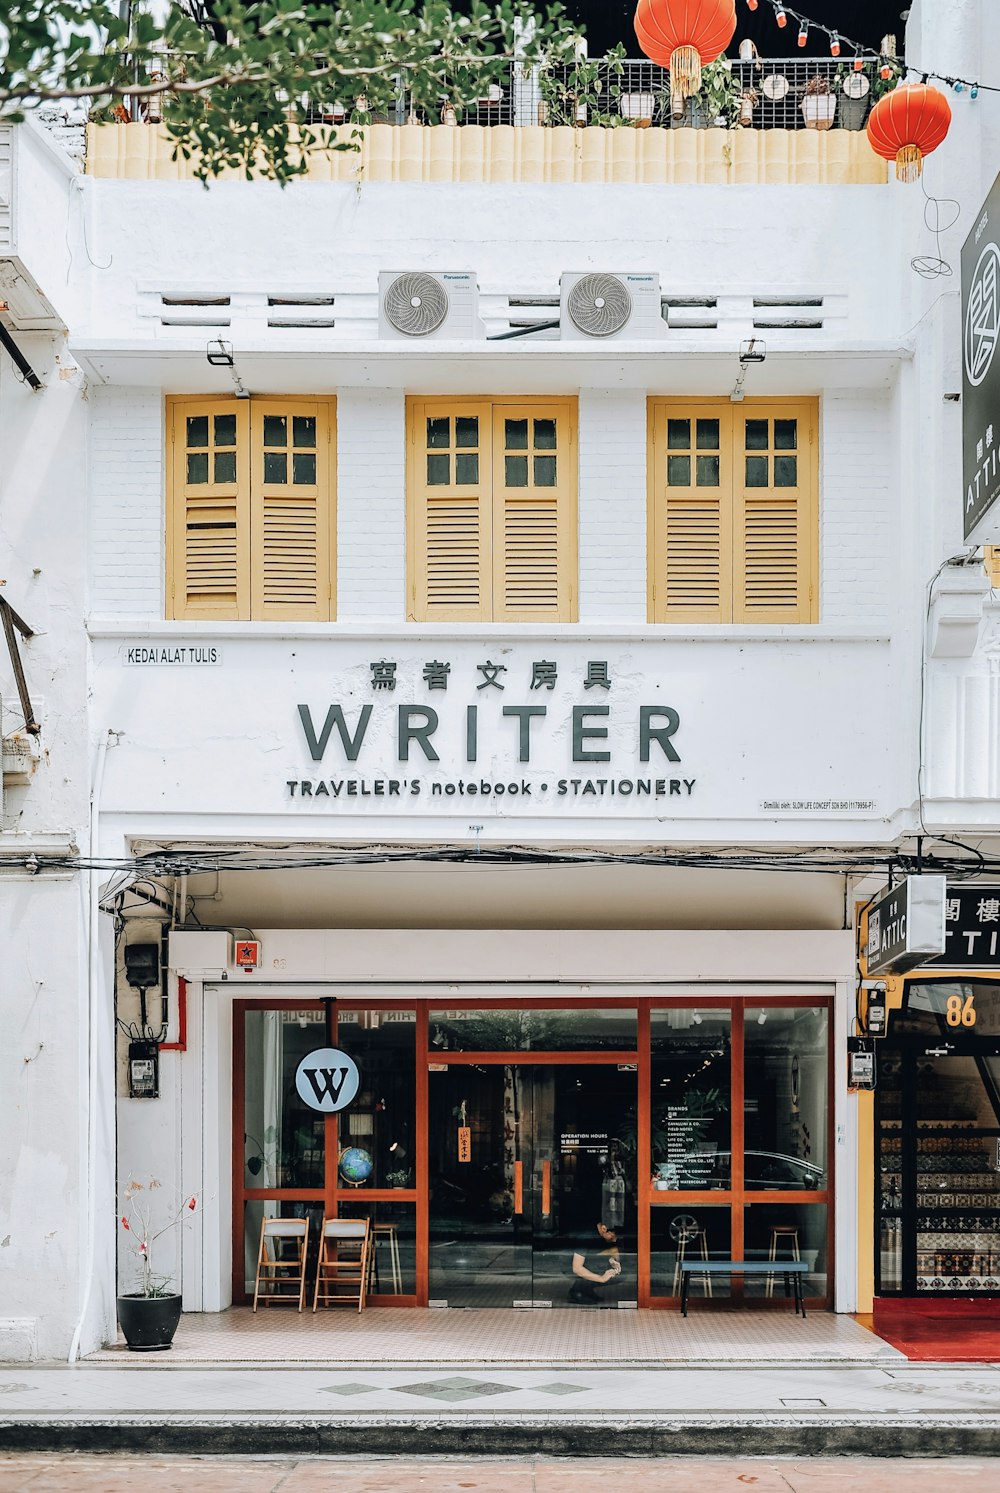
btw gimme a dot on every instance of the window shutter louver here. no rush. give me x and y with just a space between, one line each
449 510
693 562
251 529
534 521
492 510
775 522
733 531
208 532
291 558
691 543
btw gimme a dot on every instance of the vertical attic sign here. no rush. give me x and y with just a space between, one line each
981 374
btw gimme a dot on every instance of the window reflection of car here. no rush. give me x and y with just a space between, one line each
761 1170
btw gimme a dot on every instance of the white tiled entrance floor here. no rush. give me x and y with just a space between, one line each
397 1336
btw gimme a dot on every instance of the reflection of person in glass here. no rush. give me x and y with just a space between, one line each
589 1267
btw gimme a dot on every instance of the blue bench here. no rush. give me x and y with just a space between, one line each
792 1270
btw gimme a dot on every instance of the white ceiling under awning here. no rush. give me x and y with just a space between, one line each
450 895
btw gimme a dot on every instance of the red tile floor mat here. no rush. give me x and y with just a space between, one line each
942 1330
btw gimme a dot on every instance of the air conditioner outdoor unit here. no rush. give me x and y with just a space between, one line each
610 306
429 303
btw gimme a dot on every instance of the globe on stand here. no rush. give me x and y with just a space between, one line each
355 1166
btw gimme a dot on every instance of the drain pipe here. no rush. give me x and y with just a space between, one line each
93 1007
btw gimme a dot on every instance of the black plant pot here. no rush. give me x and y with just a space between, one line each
149 1322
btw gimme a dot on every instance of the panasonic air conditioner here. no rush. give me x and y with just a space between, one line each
610 306
429 303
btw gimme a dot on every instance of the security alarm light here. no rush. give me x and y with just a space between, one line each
753 351
219 353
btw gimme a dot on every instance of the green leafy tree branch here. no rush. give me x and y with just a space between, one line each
253 87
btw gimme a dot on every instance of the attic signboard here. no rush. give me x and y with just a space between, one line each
981 374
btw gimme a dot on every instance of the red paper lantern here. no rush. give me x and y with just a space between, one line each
684 34
907 124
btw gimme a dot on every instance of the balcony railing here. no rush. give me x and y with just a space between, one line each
787 93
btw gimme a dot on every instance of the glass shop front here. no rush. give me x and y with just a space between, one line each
937 1142
493 1143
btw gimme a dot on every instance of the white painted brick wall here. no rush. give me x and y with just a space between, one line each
612 506
371 506
855 494
126 503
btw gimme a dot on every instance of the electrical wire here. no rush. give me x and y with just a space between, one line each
864 54
820 860
929 266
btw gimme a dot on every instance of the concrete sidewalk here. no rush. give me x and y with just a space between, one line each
886 1409
39 1472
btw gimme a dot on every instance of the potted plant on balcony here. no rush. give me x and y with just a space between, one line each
720 95
717 101
149 1314
584 91
818 104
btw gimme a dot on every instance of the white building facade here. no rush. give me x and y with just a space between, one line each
538 707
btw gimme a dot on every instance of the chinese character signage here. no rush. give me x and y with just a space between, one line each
496 747
981 374
906 925
428 726
971 928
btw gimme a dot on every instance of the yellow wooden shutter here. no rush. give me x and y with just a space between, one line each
208 528
534 511
691 513
292 510
774 512
449 473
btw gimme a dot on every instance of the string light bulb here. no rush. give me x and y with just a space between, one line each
780 17
834 45
885 71
859 62
958 86
974 91
803 33
751 4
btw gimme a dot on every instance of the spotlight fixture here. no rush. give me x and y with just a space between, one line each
753 351
219 353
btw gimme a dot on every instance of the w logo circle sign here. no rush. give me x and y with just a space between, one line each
327 1079
982 318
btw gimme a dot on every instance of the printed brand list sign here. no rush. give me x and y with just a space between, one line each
684 1135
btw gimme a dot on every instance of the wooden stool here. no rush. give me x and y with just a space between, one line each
787 1231
386 1233
275 1273
343 1261
682 1243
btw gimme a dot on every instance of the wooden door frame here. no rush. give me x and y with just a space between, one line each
735 1198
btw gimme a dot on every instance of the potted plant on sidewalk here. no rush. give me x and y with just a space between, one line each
149 1315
